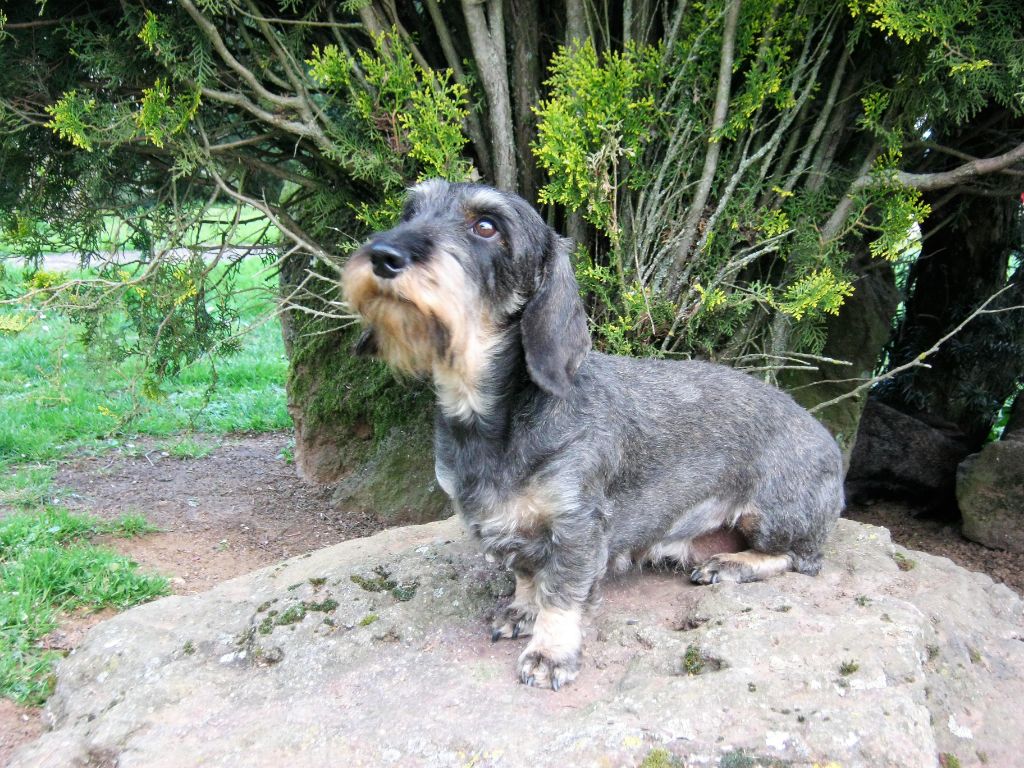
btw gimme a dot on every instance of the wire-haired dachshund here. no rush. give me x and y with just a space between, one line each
567 463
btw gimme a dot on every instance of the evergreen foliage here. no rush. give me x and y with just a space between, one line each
730 160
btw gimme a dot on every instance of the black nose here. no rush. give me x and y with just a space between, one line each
388 261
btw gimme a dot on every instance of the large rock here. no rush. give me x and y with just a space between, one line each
897 456
397 483
1015 422
376 652
990 492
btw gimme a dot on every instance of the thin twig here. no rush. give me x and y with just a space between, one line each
918 361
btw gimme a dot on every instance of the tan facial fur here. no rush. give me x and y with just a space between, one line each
427 320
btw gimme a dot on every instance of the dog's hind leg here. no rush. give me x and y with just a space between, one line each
788 538
749 565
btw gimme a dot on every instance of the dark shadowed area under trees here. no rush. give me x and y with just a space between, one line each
827 195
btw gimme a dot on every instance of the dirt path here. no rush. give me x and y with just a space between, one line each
239 508
242 507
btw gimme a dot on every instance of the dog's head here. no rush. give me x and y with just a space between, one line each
466 265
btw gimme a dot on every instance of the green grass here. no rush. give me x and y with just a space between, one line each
190 448
217 224
26 486
48 567
130 526
58 396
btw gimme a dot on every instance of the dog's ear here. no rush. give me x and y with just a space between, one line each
366 346
554 324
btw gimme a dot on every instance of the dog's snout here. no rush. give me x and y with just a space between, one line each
388 261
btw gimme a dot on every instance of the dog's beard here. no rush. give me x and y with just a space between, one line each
427 321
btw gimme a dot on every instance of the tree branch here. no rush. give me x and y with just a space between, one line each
707 176
473 125
270 118
942 179
919 361
210 31
487 36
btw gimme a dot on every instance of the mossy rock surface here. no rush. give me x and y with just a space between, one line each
359 426
404 673
397 483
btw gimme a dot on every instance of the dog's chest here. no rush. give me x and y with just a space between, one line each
513 522
495 486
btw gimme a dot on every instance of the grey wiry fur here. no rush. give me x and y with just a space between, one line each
566 462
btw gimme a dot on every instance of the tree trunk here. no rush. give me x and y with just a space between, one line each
857 335
526 83
487 36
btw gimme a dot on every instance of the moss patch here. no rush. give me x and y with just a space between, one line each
847 668
381 582
397 483
740 759
903 562
661 758
405 592
696 662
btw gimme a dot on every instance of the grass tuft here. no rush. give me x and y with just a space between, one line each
189 448
48 567
129 526
27 486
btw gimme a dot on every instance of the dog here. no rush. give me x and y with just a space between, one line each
567 463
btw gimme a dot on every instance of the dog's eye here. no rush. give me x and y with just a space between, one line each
485 228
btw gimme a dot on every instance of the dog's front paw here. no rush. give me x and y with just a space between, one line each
514 621
539 668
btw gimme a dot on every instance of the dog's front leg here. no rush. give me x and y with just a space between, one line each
553 655
561 588
516 620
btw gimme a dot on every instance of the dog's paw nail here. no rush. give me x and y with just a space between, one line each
515 631
555 684
495 635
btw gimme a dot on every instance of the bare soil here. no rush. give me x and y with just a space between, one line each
235 510
242 507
